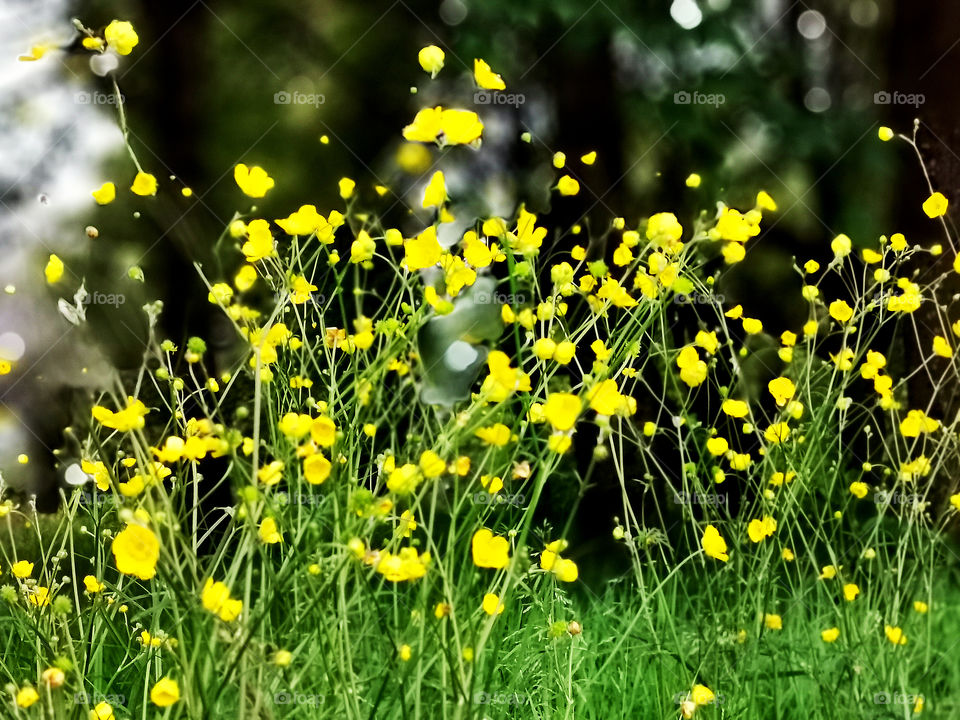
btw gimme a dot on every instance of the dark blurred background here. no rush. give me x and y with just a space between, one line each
751 94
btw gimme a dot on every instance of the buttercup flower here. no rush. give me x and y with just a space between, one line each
136 551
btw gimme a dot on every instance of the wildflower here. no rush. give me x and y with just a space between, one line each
259 243
920 607
713 544
773 621
841 246
405 652
840 311
53 677
27 696
22 569
144 184
282 658
53 271
895 635
431 59
885 133
850 592
828 572
497 434
165 692
485 77
436 193
782 390
787 555
404 479
605 398
777 433
664 231
692 181
830 634
565 570
492 605
136 551
102 711
269 532
935 205
271 474
735 408
569 186
693 370
561 410
717 446
215 597
431 464
121 37
758 529
917 422
859 489
404 566
105 194
941 347
253 181
489 550
450 127
423 251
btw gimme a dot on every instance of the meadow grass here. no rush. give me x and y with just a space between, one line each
336 526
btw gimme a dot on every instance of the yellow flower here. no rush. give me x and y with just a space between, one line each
485 77
53 270
693 180
165 692
782 390
917 422
405 652
121 36
431 59
859 489
568 186
758 529
561 410
489 550
22 569
935 205
840 311
215 597
713 544
693 370
565 570
144 184
717 446
830 634
497 434
885 133
105 194
773 621
92 585
605 398
941 347
103 711
316 469
920 607
27 696
491 604
269 532
701 695
850 592
404 479
589 158
895 635
436 193
253 181
664 231
136 551
841 246
422 251
735 408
